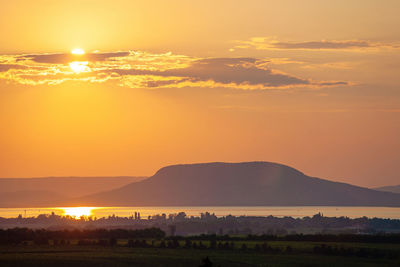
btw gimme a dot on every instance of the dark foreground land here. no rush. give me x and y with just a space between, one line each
150 247
124 256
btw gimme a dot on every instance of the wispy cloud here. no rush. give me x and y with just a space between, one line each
297 110
146 70
272 43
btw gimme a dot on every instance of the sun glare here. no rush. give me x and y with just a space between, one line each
78 211
79 66
78 51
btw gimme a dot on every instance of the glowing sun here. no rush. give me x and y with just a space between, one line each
78 211
77 51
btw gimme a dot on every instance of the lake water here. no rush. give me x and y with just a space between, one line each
296 212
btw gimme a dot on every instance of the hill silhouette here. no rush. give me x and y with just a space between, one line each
237 184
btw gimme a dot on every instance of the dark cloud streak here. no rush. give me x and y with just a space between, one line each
271 43
225 71
65 58
323 45
7 67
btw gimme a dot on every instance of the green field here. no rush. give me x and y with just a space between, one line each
302 255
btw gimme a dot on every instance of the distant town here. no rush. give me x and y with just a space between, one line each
207 223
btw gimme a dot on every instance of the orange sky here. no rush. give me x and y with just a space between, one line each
314 85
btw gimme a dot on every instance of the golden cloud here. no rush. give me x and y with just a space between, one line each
138 69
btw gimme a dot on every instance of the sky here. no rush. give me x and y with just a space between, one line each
312 84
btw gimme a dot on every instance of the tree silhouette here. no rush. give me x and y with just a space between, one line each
206 262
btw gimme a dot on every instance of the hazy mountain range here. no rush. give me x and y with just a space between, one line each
212 184
393 189
52 191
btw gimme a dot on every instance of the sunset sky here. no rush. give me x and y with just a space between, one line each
312 84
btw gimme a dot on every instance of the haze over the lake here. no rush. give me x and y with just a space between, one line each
123 88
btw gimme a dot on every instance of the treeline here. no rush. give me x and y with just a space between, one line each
357 238
18 235
41 236
155 238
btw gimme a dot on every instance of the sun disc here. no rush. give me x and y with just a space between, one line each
78 51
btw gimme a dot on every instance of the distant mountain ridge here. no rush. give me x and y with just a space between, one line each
392 188
50 191
237 184
31 198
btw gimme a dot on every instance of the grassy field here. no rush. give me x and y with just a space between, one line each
73 255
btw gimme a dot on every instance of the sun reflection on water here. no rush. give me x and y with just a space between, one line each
78 211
